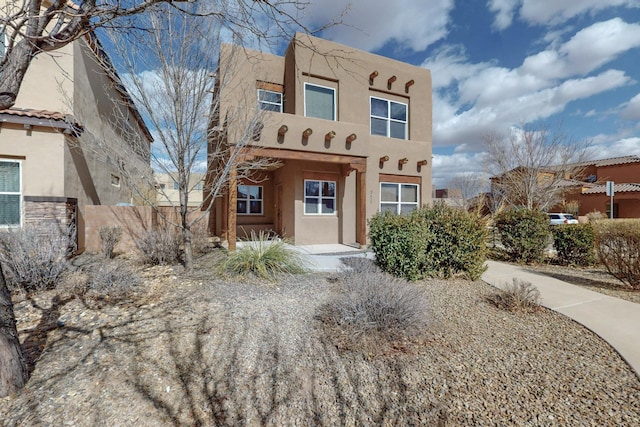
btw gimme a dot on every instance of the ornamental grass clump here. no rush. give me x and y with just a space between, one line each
265 258
519 296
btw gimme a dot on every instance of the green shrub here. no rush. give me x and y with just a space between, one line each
518 296
524 233
374 311
436 241
399 243
574 243
618 249
264 258
456 242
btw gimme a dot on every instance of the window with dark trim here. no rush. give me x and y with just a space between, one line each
250 200
389 118
319 197
398 197
10 193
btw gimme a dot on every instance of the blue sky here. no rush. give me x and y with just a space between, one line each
497 64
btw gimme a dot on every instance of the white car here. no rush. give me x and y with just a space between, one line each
562 218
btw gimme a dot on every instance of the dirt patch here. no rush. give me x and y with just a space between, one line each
201 349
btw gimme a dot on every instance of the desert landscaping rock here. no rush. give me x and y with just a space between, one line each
203 350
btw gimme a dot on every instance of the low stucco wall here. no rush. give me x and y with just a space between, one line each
132 219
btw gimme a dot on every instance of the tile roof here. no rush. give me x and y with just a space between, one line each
37 114
617 188
610 161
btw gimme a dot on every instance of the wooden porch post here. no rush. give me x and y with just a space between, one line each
231 209
361 208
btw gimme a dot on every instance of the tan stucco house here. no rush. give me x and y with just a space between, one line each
350 131
50 166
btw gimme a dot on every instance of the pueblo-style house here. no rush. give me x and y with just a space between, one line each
349 134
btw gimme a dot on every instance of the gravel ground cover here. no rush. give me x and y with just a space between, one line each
200 349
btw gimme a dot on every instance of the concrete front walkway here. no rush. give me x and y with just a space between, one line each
615 320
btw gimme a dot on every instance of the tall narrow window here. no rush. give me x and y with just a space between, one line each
270 100
389 118
398 198
319 197
10 193
249 200
319 102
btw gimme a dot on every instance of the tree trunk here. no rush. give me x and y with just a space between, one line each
188 247
13 71
13 370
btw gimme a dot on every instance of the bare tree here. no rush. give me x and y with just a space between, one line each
33 27
533 166
169 71
470 186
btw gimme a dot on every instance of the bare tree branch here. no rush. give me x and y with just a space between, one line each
534 166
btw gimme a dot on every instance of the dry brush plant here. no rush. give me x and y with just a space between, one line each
160 246
618 249
35 258
374 312
518 296
110 236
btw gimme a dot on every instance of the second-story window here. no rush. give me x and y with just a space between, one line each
319 101
270 100
389 118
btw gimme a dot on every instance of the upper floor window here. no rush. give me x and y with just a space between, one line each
270 100
319 101
389 118
10 193
249 200
398 198
319 197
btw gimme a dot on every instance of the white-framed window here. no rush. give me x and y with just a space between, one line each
398 197
319 197
389 118
319 101
176 186
250 200
10 193
270 100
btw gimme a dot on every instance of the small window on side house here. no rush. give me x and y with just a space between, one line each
115 180
319 102
10 193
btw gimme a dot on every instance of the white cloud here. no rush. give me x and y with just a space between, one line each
505 11
371 24
473 99
608 147
546 12
631 110
446 167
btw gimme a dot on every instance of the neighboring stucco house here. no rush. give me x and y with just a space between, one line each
50 162
625 174
169 195
350 130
